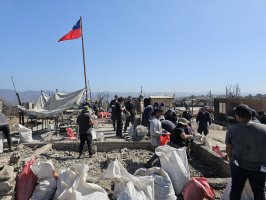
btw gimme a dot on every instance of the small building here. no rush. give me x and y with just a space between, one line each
28 105
166 100
223 107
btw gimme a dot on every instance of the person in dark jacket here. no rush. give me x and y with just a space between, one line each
118 116
204 121
5 129
129 107
171 115
85 123
112 106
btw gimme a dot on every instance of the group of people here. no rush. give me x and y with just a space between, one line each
126 107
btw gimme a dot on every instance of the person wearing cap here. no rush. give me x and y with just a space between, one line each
262 117
129 107
85 124
112 106
179 137
246 151
5 129
204 121
119 108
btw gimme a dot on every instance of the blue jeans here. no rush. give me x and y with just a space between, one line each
239 177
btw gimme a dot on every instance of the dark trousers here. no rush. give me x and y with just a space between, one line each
114 123
239 177
85 138
203 129
119 127
129 119
5 129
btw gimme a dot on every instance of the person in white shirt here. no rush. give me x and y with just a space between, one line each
156 131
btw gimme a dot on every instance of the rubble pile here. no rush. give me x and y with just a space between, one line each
7 182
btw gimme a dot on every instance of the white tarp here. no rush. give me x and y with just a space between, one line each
51 106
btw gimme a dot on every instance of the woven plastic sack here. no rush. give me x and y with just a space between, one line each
174 162
198 188
163 187
26 182
72 185
128 186
46 184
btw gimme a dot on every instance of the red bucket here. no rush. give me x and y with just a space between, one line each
164 139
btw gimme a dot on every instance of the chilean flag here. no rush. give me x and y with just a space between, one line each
75 33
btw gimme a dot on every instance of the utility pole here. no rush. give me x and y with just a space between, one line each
21 114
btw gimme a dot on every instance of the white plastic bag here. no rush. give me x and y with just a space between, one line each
72 185
131 131
247 193
46 187
1 142
127 186
141 131
25 134
163 187
93 133
174 162
207 142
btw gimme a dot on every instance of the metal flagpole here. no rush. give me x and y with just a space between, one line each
84 64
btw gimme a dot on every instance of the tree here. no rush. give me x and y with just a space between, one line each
100 98
233 91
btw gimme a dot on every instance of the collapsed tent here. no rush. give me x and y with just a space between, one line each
50 106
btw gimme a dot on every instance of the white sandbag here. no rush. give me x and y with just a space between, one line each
46 184
131 131
141 131
127 186
207 142
174 162
247 193
25 134
1 142
96 135
163 187
72 185
198 137
93 133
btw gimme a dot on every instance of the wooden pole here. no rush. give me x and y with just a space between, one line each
84 64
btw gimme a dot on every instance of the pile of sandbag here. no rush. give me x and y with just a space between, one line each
174 162
25 134
128 186
46 183
7 182
163 187
72 185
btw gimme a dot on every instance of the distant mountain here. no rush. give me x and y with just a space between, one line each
32 96
27 96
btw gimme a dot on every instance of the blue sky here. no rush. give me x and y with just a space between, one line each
164 45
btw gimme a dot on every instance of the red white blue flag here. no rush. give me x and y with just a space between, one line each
75 33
